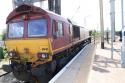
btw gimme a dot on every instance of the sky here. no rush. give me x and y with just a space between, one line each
5 8
84 12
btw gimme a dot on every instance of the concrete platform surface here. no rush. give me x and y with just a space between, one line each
105 69
78 70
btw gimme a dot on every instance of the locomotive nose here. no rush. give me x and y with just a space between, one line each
28 49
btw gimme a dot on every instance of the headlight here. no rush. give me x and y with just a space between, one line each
42 55
12 54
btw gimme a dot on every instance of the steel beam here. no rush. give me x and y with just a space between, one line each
18 2
58 6
51 5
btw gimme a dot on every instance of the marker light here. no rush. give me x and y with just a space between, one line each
42 55
12 54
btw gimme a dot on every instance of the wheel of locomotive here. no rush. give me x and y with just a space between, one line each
24 76
52 67
69 53
62 62
28 77
34 80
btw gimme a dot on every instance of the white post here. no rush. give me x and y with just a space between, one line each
123 37
112 15
101 23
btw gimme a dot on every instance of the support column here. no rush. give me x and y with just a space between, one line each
51 5
123 37
101 23
112 15
58 6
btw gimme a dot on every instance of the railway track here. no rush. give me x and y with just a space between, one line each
4 74
8 78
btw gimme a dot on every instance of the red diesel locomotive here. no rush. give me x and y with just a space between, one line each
40 41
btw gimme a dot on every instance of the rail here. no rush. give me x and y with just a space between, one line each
4 74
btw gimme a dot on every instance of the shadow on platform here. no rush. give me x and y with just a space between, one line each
101 61
117 50
100 69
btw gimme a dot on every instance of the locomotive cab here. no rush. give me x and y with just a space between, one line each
28 35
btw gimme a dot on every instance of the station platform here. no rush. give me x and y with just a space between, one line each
107 70
77 70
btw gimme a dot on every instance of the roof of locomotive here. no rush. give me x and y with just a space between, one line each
26 9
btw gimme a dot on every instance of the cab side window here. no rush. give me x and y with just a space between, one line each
54 28
58 29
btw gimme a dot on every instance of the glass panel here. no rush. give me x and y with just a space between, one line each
16 30
60 30
37 28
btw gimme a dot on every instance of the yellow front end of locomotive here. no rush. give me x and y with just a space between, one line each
29 50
